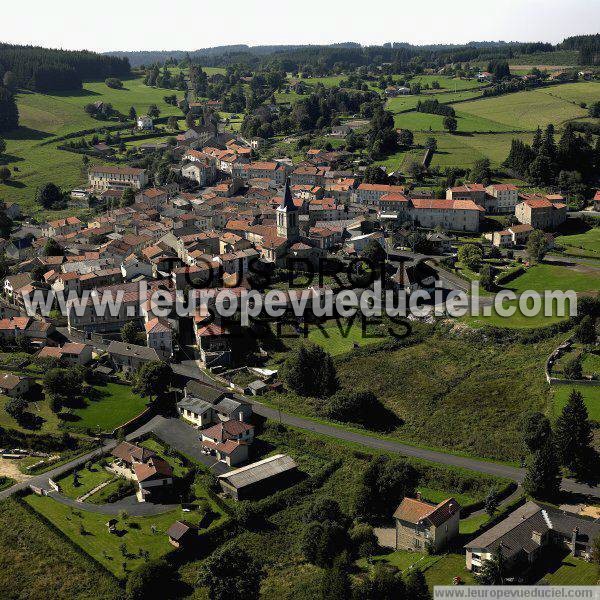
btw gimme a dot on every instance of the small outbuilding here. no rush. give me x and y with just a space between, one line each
181 533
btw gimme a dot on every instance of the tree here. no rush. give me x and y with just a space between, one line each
4 174
2 145
383 583
573 368
9 114
114 83
152 379
10 81
309 371
373 253
481 172
16 407
129 333
128 197
190 119
375 174
363 540
492 502
573 434
353 407
536 246
431 143
486 278
153 111
450 124
324 509
493 570
470 256
405 138
53 248
150 581
415 170
63 383
416 586
336 581
132 114
173 123
49 196
231 573
585 332
542 480
536 430
540 170
322 541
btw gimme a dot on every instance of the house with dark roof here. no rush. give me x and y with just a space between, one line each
527 531
421 525
181 533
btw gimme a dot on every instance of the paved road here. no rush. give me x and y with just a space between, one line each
480 466
174 432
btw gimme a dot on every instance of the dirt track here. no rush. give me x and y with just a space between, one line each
10 468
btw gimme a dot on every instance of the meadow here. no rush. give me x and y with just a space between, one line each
524 111
548 276
446 378
581 244
48 566
591 397
42 116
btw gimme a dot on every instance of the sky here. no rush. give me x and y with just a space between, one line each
193 24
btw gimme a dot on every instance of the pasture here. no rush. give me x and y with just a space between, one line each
581 244
524 111
45 115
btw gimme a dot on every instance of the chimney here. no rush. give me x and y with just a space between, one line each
574 539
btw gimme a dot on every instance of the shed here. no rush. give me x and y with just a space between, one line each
260 478
180 533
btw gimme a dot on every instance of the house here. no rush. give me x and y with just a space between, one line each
196 411
506 195
72 353
596 205
14 283
516 235
130 357
214 344
101 178
159 336
153 474
236 431
260 478
527 531
540 213
228 409
181 534
13 327
14 385
145 122
469 191
420 524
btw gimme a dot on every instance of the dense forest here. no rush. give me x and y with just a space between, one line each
46 70
337 57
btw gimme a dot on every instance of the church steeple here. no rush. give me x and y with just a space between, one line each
287 216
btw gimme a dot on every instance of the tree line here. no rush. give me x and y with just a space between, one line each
45 70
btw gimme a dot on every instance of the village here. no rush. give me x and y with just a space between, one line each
163 438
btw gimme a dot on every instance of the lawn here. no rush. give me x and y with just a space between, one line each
438 570
462 150
582 244
48 566
591 397
404 103
418 121
524 111
470 525
548 276
115 405
573 571
45 115
88 531
87 480
437 496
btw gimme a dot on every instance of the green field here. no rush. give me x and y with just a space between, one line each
403 103
45 115
463 150
114 405
591 397
418 121
584 91
524 111
547 276
105 547
48 566
582 244
518 320
447 83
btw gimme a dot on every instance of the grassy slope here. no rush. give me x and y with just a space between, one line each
116 404
45 115
524 111
46 564
582 244
591 397
554 277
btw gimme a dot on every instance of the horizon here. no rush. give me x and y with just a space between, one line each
461 23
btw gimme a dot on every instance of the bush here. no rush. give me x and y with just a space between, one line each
114 83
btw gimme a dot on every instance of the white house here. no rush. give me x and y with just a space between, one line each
145 122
